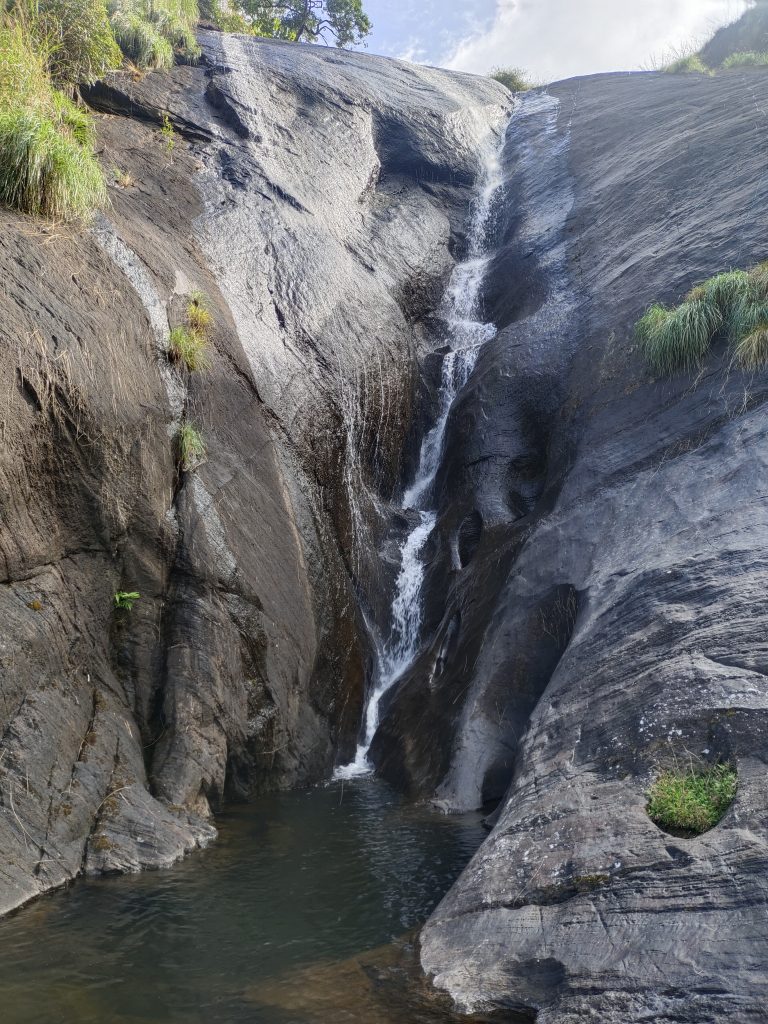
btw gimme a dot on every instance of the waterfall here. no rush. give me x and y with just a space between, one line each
465 334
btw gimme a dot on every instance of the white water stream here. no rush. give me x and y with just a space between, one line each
465 334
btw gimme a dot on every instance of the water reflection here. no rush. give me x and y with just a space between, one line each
296 886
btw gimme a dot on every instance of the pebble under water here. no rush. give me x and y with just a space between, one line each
266 926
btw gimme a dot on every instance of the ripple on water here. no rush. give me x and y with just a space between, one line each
266 926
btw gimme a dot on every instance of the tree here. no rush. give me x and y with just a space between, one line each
341 21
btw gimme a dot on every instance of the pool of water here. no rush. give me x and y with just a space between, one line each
266 926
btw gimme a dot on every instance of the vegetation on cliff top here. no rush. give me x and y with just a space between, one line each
343 22
515 79
732 305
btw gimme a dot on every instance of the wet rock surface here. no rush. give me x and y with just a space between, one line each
314 197
609 620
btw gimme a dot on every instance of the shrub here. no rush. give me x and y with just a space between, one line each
687 65
693 800
189 347
125 599
515 79
191 446
674 339
743 60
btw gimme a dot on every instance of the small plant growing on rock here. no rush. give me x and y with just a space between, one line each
191 447
189 347
692 800
169 134
199 317
189 344
125 599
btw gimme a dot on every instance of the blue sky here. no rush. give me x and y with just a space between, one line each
550 38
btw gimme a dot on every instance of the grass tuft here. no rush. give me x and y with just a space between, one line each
191 447
125 599
44 170
678 339
515 79
746 60
199 317
691 64
189 347
751 352
693 800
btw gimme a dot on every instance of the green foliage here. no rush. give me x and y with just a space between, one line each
152 33
125 599
199 317
693 800
674 339
341 21
45 171
734 304
744 60
191 446
687 65
515 79
189 344
169 134
75 36
189 347
47 162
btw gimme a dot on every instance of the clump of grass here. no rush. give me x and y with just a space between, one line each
199 317
690 64
47 163
123 178
141 42
751 351
745 60
515 79
125 599
734 304
44 170
674 339
153 33
189 347
191 446
692 800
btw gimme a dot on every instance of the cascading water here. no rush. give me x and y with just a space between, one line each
465 334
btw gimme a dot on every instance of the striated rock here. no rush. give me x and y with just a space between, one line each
609 618
314 197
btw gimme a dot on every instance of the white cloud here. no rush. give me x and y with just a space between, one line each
555 39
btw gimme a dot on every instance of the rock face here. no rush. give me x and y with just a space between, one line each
598 582
314 197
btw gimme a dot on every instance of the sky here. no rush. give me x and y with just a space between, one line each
551 39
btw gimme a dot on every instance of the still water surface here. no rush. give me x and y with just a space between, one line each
263 927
